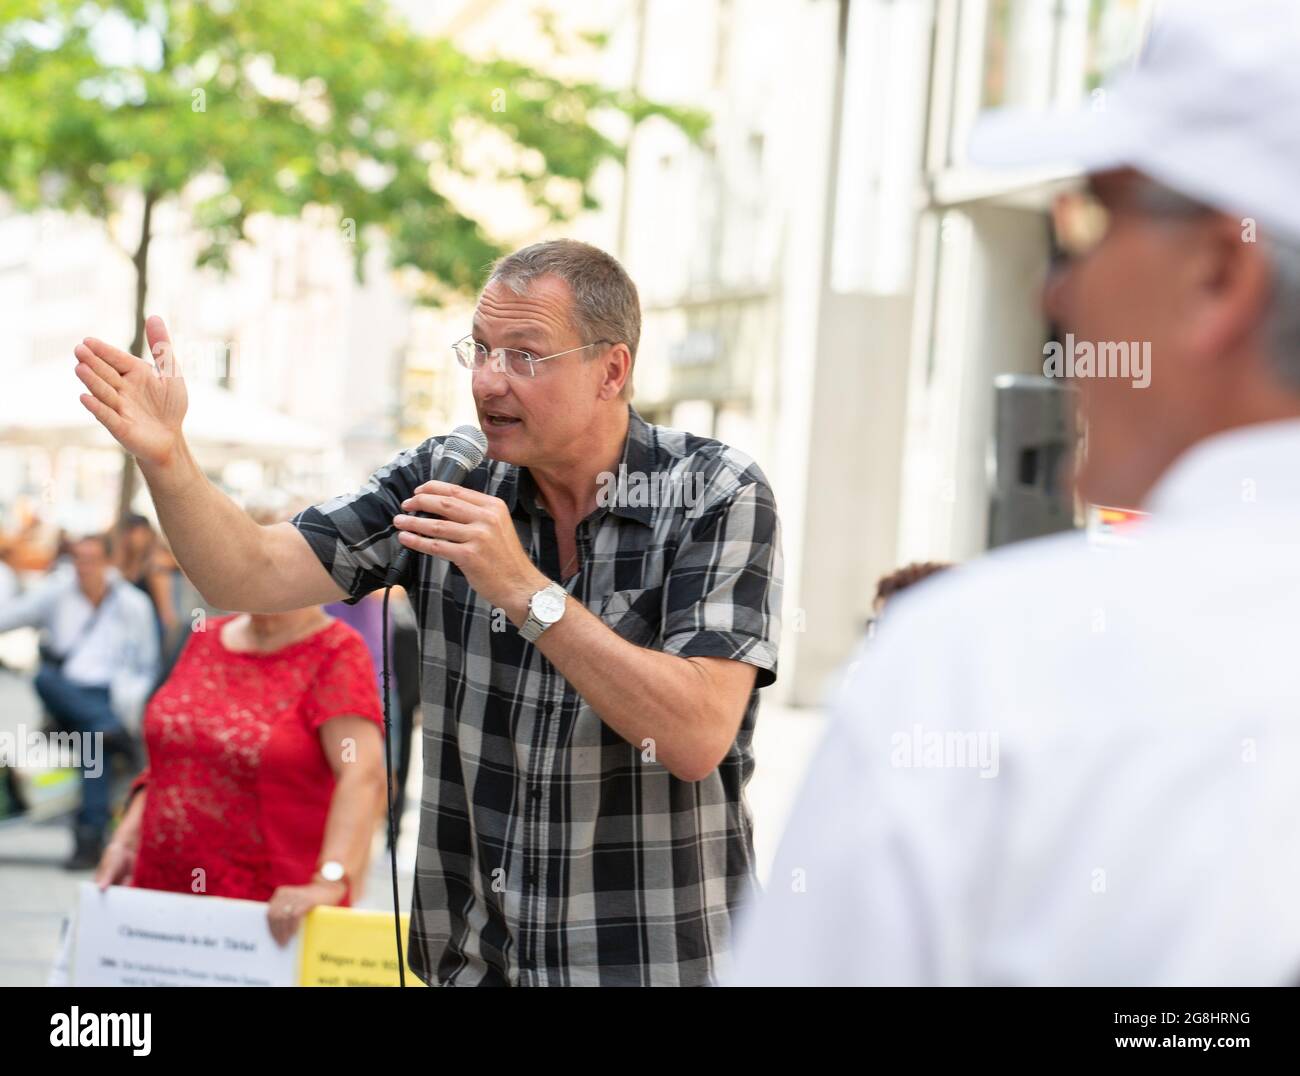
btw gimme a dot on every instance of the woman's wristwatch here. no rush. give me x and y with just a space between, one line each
333 871
544 609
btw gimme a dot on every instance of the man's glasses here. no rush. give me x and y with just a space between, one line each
510 361
1081 220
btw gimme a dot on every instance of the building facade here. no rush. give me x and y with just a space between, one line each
826 283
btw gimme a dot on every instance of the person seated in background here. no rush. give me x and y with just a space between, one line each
266 775
99 657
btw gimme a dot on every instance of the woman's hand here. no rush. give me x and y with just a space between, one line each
289 903
140 403
117 864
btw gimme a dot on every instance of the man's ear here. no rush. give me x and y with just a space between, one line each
616 367
1234 283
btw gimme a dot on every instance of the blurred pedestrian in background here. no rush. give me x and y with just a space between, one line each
99 658
138 562
265 777
9 587
366 617
1078 765
897 581
184 605
62 551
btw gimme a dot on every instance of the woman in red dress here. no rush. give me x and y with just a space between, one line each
265 777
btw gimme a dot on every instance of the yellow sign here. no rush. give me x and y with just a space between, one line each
347 947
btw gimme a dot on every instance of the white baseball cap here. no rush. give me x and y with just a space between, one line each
1211 109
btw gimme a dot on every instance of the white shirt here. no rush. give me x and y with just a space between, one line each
120 650
8 583
1137 711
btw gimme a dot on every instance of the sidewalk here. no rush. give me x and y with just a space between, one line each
36 893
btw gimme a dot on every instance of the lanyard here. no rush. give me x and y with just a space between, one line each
89 625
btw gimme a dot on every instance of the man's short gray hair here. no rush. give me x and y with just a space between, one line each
605 303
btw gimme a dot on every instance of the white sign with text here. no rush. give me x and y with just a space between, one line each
144 937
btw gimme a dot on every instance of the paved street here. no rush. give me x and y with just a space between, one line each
36 893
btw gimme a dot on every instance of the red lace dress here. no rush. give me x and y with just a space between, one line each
238 785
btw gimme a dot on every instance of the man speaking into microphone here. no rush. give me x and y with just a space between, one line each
599 605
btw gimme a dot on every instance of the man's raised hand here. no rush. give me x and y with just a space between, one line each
140 403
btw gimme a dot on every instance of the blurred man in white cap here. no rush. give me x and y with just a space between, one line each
1101 783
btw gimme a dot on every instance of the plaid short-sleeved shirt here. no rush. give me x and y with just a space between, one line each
551 851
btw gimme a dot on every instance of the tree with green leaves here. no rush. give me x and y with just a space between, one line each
280 106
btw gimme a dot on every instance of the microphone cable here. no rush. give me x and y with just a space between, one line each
463 450
388 782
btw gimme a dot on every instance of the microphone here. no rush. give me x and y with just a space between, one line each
463 450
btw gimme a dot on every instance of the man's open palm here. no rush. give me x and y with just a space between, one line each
141 403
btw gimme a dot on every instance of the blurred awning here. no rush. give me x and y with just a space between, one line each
220 426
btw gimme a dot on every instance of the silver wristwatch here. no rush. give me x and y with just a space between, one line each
544 609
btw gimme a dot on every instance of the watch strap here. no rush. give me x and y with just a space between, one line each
344 879
532 628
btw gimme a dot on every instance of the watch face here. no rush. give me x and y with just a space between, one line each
548 605
332 871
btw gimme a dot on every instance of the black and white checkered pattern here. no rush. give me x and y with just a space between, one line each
550 850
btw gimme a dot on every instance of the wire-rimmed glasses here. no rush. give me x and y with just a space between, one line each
509 360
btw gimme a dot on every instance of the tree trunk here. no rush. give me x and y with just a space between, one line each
141 262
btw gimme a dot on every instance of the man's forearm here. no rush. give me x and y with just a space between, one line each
215 542
655 701
688 708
